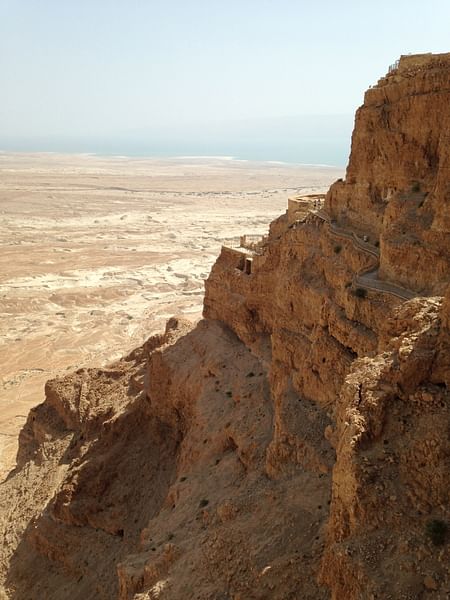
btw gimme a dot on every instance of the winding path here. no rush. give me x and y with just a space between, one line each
366 279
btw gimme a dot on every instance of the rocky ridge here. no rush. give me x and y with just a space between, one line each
295 442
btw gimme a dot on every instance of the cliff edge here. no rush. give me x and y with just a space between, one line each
295 442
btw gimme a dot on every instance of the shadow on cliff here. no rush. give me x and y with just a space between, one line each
171 479
107 478
108 496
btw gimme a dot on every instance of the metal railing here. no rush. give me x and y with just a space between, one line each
393 67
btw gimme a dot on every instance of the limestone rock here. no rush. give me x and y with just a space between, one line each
292 444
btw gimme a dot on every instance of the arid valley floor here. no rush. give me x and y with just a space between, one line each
96 254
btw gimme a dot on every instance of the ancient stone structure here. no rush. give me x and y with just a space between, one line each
294 443
300 206
253 242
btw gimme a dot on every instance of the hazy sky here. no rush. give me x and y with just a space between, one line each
87 68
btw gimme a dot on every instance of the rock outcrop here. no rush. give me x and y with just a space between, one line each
397 184
295 442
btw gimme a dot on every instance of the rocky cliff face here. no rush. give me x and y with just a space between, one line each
294 443
397 188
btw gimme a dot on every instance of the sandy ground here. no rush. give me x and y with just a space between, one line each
96 253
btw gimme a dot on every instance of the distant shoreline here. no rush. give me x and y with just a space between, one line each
187 157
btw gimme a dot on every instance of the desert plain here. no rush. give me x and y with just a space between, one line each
98 252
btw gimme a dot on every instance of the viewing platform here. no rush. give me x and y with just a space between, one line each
408 65
253 242
240 254
300 206
309 209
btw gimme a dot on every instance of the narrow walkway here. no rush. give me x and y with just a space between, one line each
366 279
349 235
370 281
